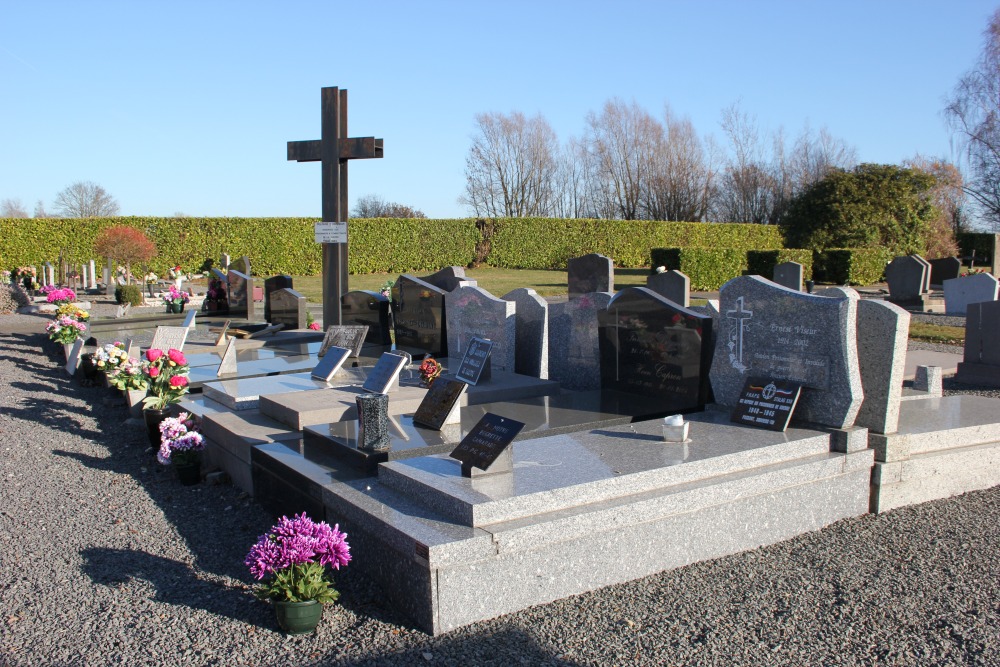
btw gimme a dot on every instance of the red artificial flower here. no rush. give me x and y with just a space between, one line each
177 357
153 354
178 381
154 372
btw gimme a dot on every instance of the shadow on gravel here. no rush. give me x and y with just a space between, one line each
175 582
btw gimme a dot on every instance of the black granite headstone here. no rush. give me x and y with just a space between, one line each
370 309
288 307
590 273
486 441
655 348
766 403
945 268
271 285
475 365
439 402
240 299
419 316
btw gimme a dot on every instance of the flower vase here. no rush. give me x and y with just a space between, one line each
189 473
67 350
298 618
153 417
88 366
373 421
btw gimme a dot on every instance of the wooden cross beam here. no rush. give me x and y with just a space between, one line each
333 150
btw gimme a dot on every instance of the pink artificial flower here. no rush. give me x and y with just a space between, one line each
153 354
176 356
314 326
154 372
178 381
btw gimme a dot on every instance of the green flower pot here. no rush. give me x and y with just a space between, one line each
298 618
188 474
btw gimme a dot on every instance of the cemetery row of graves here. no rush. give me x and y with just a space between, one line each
469 442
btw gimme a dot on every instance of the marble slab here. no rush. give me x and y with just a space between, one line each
201 375
244 393
297 410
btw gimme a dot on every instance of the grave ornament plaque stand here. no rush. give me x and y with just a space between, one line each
383 377
766 403
330 363
440 406
475 366
486 449
333 150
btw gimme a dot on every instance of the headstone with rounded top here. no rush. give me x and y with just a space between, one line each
673 285
789 274
590 273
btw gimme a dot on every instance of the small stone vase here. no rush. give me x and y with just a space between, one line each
373 421
298 618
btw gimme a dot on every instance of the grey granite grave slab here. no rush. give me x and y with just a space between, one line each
574 350
287 307
419 317
531 326
332 404
213 358
789 274
906 277
474 312
766 329
945 268
883 333
271 285
590 273
981 361
230 437
244 393
167 338
448 278
673 285
200 375
960 293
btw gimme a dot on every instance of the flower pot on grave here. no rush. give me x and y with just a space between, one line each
88 366
134 399
67 350
189 473
298 618
175 307
153 417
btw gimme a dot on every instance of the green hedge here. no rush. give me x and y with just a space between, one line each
983 245
851 266
707 268
762 262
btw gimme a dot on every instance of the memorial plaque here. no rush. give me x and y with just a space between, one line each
228 364
382 377
475 366
418 310
165 338
330 363
486 441
766 402
653 347
441 404
371 309
349 336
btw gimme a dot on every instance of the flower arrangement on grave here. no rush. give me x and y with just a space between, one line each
73 311
129 376
291 560
216 292
109 357
65 329
386 289
181 441
61 296
177 272
175 296
311 322
971 272
430 370
6 276
167 375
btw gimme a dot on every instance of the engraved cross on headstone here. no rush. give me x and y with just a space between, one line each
333 150
741 315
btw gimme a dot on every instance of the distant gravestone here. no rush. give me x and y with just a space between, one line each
418 313
240 299
883 331
370 309
906 277
531 337
441 404
769 330
109 286
590 273
448 278
574 351
242 265
228 364
655 348
673 285
383 377
92 275
981 362
288 307
350 336
926 287
167 338
789 274
472 312
271 285
960 293
945 268
225 261
48 274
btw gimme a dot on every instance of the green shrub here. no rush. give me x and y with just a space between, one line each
762 262
131 294
851 266
707 268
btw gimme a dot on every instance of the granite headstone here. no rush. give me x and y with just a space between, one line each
590 273
673 285
448 278
944 269
906 277
960 293
288 307
574 351
474 312
370 309
419 316
240 299
882 335
531 337
271 285
789 274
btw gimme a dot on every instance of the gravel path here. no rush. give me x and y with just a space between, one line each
107 560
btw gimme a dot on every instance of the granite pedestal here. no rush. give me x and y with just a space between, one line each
244 393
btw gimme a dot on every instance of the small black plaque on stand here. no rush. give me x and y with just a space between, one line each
766 403
383 376
330 363
440 402
475 366
486 442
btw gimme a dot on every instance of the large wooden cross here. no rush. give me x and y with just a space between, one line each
333 150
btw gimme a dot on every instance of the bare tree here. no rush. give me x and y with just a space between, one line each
40 210
813 157
511 166
84 199
373 206
12 208
747 185
974 114
681 175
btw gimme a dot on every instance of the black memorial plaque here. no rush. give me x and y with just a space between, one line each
653 347
371 309
486 441
419 316
330 363
438 403
475 364
384 373
766 403
349 336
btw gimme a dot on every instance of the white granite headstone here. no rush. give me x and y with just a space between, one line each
960 293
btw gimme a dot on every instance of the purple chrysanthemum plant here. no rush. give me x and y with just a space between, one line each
292 560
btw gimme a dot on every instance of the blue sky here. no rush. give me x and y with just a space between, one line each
187 106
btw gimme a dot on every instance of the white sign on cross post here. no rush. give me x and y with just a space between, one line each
330 232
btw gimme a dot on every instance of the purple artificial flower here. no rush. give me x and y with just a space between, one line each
297 541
